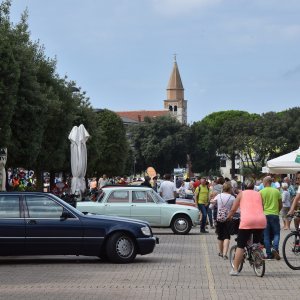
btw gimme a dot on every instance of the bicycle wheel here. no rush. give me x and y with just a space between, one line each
291 250
231 258
258 262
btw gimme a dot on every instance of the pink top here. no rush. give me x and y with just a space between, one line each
252 212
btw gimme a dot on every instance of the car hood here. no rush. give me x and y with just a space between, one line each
119 219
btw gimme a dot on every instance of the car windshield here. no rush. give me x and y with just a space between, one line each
157 198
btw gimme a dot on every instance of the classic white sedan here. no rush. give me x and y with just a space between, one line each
142 203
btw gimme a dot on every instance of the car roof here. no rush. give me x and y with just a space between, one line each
24 192
131 187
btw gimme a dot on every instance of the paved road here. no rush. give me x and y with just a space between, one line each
181 267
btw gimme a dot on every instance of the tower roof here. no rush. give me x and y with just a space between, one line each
175 80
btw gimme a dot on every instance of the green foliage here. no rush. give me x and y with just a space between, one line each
162 143
216 120
38 108
110 149
291 121
252 138
203 151
9 74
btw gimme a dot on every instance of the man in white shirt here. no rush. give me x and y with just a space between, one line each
102 181
167 190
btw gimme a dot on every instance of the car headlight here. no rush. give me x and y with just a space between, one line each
146 230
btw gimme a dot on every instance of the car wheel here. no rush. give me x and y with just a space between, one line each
121 248
181 224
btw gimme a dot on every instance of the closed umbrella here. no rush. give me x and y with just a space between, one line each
78 137
3 158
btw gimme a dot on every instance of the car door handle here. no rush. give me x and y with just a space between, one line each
31 222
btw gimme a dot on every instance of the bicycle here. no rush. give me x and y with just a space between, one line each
254 254
291 247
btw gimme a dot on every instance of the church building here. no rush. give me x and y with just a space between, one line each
175 104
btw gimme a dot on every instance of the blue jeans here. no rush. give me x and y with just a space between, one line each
203 208
272 234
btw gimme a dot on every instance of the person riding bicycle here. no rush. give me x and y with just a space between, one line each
296 202
253 221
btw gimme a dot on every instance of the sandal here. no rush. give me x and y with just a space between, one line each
220 254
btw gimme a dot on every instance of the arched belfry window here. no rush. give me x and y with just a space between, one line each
170 108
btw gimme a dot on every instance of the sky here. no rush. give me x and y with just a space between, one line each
231 54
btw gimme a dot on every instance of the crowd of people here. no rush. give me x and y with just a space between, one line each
256 205
20 179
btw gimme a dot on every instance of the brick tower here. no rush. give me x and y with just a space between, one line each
175 102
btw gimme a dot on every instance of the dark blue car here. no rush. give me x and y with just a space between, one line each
42 224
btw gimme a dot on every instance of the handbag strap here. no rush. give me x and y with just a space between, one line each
223 205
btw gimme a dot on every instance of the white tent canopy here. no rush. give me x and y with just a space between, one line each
285 164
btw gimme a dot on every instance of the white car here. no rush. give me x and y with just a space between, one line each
142 203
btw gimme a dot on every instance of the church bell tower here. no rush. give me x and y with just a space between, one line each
175 102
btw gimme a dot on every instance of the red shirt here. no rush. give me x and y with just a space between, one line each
196 184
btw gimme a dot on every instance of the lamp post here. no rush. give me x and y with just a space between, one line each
134 162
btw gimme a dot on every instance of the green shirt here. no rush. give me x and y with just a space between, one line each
271 198
203 194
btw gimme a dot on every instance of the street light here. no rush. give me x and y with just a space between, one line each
134 162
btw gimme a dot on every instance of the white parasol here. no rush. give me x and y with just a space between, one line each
78 137
3 158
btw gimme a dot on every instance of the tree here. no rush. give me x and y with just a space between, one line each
291 123
110 146
162 143
38 107
225 140
9 74
203 149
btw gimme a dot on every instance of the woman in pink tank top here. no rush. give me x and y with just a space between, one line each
253 221
252 212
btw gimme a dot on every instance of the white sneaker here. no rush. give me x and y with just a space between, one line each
234 273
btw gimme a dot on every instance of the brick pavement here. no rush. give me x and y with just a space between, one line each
181 267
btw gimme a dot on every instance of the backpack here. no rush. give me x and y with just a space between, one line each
223 211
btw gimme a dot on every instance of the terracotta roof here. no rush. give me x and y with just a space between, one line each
139 115
128 121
